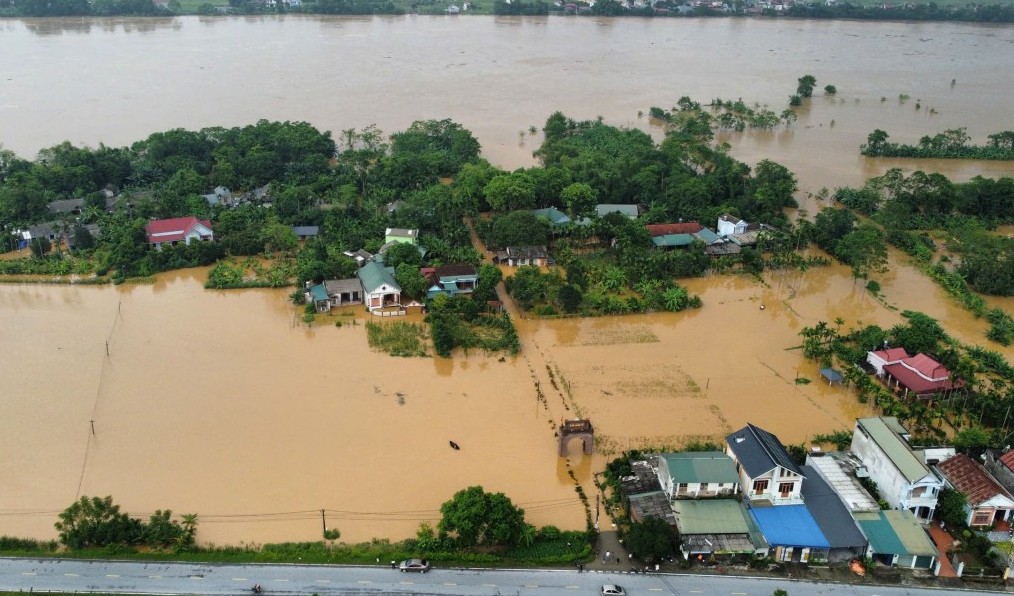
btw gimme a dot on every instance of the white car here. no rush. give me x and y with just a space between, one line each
612 590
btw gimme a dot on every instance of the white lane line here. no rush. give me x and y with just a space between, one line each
654 589
281 580
363 581
406 583
196 577
571 587
450 584
154 577
239 579
28 573
738 593
323 581
531 586
71 575
489 585
111 575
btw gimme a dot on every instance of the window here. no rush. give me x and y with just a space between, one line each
704 486
785 489
982 517
683 487
760 487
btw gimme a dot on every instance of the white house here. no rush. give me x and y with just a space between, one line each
379 288
729 225
881 358
178 229
986 502
696 474
766 470
902 476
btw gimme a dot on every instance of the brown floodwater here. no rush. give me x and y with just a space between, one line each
225 404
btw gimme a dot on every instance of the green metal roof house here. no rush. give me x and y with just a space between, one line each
897 539
696 474
379 287
716 526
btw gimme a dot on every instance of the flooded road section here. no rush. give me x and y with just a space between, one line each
221 403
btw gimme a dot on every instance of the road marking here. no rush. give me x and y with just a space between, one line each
363 581
654 589
449 584
154 577
738 593
489 585
531 586
571 587
28 573
281 580
111 575
239 579
71 575
196 577
406 583
323 581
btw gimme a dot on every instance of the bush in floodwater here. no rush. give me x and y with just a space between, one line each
873 286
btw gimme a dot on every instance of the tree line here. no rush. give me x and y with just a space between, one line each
950 144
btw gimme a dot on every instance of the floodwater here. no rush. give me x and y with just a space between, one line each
225 404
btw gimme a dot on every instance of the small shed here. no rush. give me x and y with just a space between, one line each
832 376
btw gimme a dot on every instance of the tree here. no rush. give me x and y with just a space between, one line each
651 539
579 199
570 297
279 237
519 228
476 517
402 252
96 521
806 84
951 506
40 246
509 192
864 250
413 284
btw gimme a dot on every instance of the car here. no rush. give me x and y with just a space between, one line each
419 565
613 590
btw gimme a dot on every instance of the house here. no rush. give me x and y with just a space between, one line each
176 230
450 279
361 257
902 476
651 505
730 224
554 215
767 473
219 196
845 540
409 236
897 539
986 502
921 376
259 195
305 232
335 292
690 227
92 229
716 527
379 288
696 474
67 206
881 358
628 211
841 472
673 240
792 533
1001 465
517 256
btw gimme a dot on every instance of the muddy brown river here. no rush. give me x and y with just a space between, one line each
224 404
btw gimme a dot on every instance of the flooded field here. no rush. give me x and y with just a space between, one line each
225 404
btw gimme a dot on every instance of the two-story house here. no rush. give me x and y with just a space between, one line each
902 476
766 470
697 474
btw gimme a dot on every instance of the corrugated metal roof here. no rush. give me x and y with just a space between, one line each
673 240
372 276
759 451
789 525
554 215
895 448
896 533
701 466
710 516
854 496
319 293
831 515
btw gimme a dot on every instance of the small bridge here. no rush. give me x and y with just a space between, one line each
576 429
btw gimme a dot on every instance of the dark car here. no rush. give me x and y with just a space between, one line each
419 565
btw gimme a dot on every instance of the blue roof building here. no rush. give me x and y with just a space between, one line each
792 532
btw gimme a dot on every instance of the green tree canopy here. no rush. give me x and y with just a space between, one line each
475 517
651 540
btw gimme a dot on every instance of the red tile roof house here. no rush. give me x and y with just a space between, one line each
919 375
690 227
986 501
176 230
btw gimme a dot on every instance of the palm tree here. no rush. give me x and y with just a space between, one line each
189 523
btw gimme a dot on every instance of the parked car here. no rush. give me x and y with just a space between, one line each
419 565
612 590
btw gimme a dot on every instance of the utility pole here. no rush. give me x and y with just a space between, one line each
93 427
323 521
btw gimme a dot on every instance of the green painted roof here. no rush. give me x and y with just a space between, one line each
710 516
896 533
372 276
673 240
884 432
701 466
319 293
554 215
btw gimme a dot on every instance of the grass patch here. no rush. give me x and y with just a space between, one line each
397 338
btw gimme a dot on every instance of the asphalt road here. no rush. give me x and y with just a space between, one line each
186 578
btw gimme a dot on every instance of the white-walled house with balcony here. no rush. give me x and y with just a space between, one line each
697 474
767 473
902 476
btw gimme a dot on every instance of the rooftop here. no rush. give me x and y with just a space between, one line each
710 516
700 466
832 516
690 227
652 505
373 275
896 532
838 471
789 525
759 451
554 215
968 477
642 479
884 431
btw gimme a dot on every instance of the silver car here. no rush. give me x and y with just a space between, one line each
612 590
419 565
